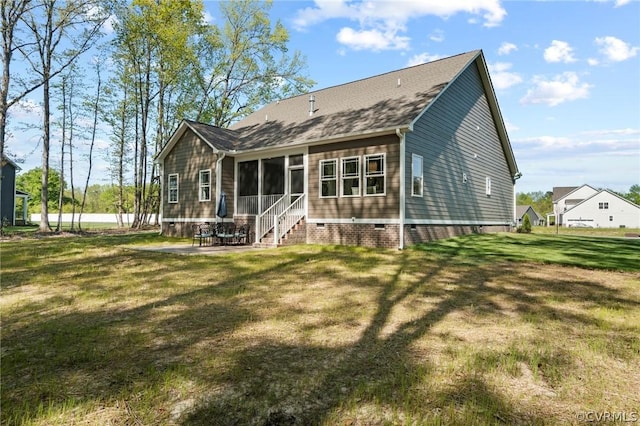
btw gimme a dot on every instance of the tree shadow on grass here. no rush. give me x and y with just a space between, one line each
375 375
275 383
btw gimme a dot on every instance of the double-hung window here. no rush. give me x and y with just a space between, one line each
374 174
351 177
172 188
205 185
328 178
417 182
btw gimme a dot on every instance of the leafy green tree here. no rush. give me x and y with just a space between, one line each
153 45
248 64
524 199
59 32
31 183
634 194
540 201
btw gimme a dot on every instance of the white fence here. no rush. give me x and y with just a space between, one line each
89 218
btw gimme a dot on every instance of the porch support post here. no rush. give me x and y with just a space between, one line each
275 230
221 156
259 187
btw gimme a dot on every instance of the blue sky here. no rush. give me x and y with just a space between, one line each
566 74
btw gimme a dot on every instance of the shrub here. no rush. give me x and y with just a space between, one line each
526 225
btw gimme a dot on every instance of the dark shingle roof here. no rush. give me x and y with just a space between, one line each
384 101
223 139
561 191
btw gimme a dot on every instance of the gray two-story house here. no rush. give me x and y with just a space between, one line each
391 160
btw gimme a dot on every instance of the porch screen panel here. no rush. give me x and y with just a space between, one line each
273 176
248 178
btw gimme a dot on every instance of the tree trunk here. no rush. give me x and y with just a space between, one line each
96 107
44 207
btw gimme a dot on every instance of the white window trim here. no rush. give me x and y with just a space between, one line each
487 186
421 194
377 174
321 179
177 176
359 176
200 185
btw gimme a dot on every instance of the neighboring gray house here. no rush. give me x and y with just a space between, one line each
535 218
391 160
8 193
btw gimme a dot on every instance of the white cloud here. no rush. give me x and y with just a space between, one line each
501 77
422 58
389 19
372 39
506 48
609 139
593 62
437 36
617 3
559 51
615 49
562 88
25 109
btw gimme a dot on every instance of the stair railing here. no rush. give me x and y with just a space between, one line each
288 218
267 220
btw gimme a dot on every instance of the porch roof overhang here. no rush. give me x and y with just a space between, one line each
322 141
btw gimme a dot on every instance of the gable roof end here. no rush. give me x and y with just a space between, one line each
492 100
217 138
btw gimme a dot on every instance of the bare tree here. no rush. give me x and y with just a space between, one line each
96 107
56 25
11 12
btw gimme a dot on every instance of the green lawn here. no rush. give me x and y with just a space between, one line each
484 329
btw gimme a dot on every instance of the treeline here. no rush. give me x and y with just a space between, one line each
160 61
100 198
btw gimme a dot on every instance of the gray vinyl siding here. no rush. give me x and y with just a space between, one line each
361 207
187 158
8 199
456 136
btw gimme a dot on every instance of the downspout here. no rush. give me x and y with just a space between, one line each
219 178
514 219
401 136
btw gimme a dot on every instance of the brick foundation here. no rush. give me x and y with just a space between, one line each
360 234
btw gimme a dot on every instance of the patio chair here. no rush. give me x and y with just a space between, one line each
225 232
242 234
201 232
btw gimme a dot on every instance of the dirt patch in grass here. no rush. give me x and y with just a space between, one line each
312 335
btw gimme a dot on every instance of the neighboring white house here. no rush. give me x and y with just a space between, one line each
586 206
